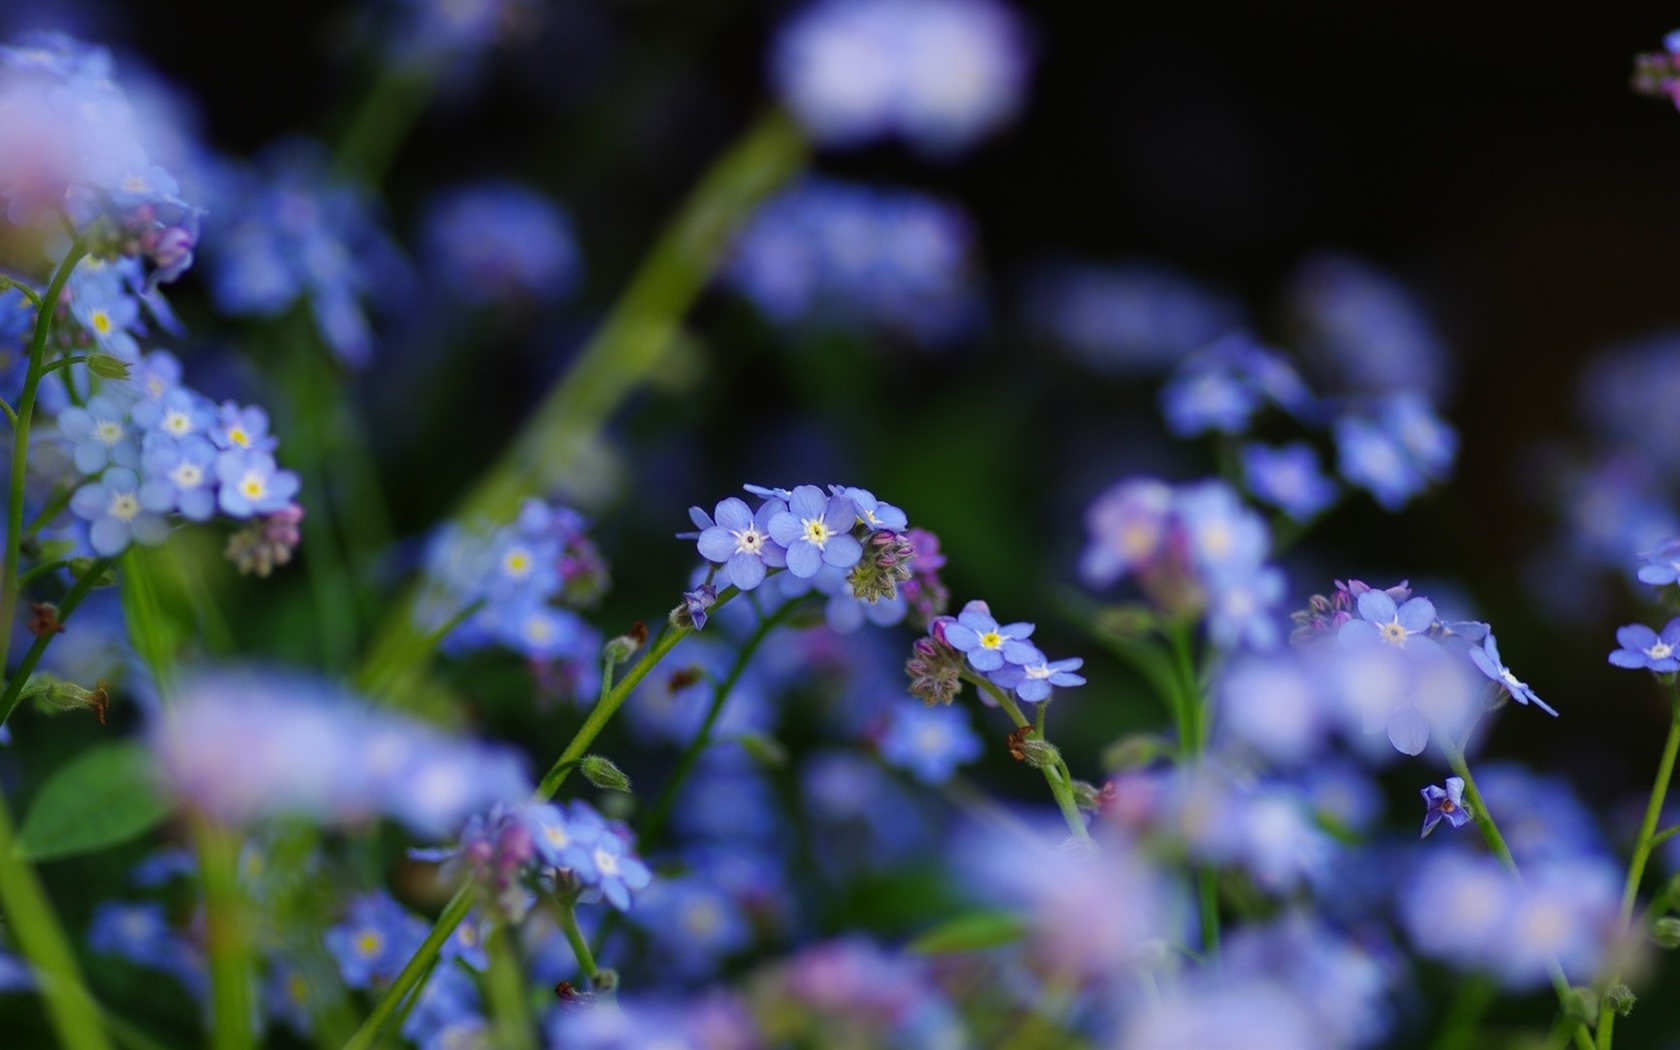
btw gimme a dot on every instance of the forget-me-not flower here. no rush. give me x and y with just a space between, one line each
1643 647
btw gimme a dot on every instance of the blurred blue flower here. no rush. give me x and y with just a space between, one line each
929 742
252 483
111 504
936 75
1134 318
1486 658
1367 329
692 924
830 253
101 434
501 243
374 941
1289 478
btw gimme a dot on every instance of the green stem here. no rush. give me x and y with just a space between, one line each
1207 904
64 362
1196 720
1643 846
72 598
458 905
1496 842
575 938
227 938
387 113
35 927
661 811
1061 789
20 447
35 572
505 982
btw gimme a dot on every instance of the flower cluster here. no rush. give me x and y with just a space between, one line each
156 447
292 235
1368 661
938 76
974 643
844 543
834 254
1657 73
1192 549
572 848
517 588
72 150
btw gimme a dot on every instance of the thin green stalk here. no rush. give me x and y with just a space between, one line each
67 605
1642 848
1496 842
227 937
387 113
1207 908
574 937
20 447
457 908
1060 789
34 926
661 811
64 362
1196 718
510 1010
35 572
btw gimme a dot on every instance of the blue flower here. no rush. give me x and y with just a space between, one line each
1381 621
693 922
1486 659
986 644
929 742
816 531
1643 647
1128 525
498 242
1367 328
1661 565
1445 804
1136 318
243 429
112 504
874 514
1032 680
251 483
100 433
374 941
179 475
1288 478
617 870
938 75
180 412
740 541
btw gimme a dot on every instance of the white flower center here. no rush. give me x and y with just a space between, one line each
816 532
605 863
750 541
1660 651
108 431
124 506
187 476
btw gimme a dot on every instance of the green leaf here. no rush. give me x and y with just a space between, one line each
102 797
971 932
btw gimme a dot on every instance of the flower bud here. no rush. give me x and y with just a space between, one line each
935 671
1134 751
107 367
691 614
1039 753
765 750
1666 932
605 981
80 567
1087 796
52 692
1582 1005
1620 998
619 650
603 774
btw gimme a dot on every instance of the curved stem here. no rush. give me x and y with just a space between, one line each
458 906
661 810
72 598
575 938
1061 789
506 991
1647 841
20 447
1496 842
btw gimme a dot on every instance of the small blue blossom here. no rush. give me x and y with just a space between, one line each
1381 621
1662 565
816 531
1486 659
929 742
242 428
179 475
1370 457
1366 328
1033 680
987 644
101 434
1447 804
617 870
1643 647
112 506
178 413
692 923
740 541
251 483
1128 525
1135 318
874 514
374 941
